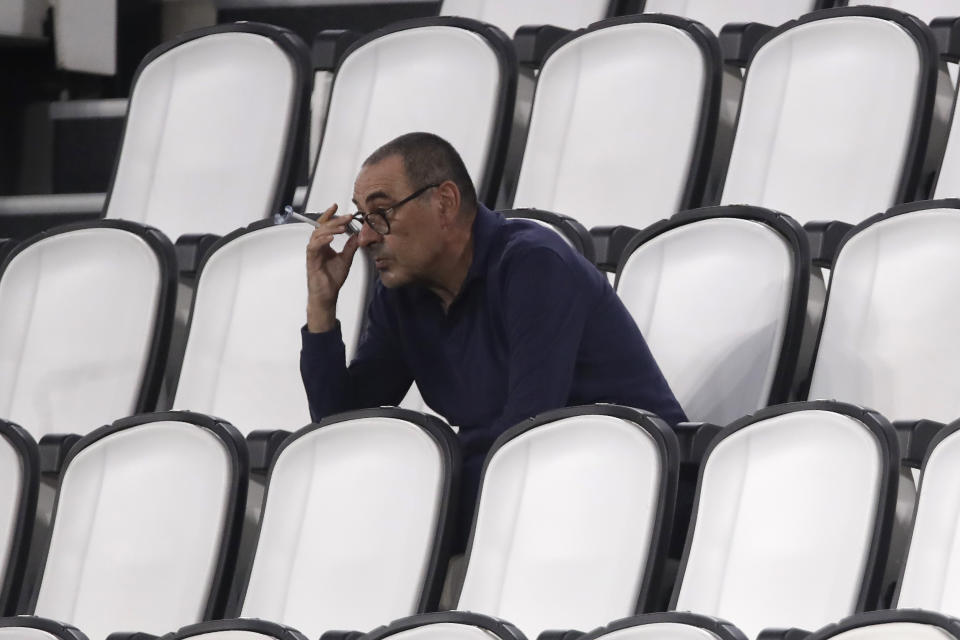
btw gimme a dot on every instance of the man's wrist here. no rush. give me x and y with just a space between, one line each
321 318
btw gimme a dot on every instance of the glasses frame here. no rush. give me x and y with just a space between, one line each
378 217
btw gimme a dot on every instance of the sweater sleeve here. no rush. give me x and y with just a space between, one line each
378 374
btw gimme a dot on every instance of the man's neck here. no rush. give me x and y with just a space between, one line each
453 266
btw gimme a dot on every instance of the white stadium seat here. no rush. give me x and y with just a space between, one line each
623 124
146 525
115 282
720 295
794 510
355 523
834 117
570 531
889 337
241 359
215 121
449 76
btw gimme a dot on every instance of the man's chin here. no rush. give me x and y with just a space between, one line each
390 279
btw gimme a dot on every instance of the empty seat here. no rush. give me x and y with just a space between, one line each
717 13
509 15
573 519
87 313
215 122
356 522
241 358
794 510
636 158
892 625
449 76
835 114
19 484
146 525
734 349
667 626
889 337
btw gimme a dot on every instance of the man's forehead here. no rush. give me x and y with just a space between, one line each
385 178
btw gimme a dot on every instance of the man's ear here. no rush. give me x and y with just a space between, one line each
449 195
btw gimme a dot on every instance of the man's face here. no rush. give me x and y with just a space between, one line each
407 253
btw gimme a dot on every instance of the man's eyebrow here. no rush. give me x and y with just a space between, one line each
376 195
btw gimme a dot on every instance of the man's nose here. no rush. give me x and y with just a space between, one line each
368 236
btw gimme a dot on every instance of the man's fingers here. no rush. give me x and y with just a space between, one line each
350 249
326 215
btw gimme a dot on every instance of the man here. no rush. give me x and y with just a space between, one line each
495 320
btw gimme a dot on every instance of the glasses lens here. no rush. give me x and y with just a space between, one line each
378 222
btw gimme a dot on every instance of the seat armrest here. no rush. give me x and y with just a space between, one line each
783 634
131 635
738 41
191 249
341 635
54 448
825 238
263 445
609 243
533 41
329 46
946 32
915 437
554 634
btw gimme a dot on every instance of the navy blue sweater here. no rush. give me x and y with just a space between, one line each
534 327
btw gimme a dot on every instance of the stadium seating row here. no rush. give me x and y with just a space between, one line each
663 145
792 525
726 297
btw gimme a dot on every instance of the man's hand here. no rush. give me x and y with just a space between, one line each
327 270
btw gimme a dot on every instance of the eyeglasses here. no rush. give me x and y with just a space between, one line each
377 219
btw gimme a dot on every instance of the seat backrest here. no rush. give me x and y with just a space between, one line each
735 349
572 519
634 158
714 14
573 233
87 313
35 628
926 10
244 338
930 572
673 625
146 525
235 629
509 15
447 625
834 116
355 522
793 514
890 331
19 484
450 76
215 123
892 625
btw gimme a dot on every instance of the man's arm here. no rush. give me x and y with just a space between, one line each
377 376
